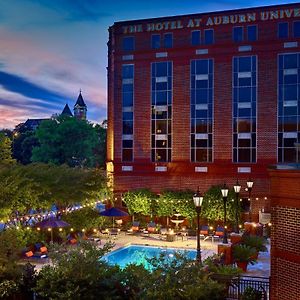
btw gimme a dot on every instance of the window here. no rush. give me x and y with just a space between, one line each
238 34
201 110
127 109
196 37
288 107
252 33
296 29
155 42
283 30
128 43
168 40
161 130
208 36
244 109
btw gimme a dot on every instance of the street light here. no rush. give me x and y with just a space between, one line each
224 191
198 199
249 187
237 188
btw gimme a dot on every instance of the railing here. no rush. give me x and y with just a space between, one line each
257 288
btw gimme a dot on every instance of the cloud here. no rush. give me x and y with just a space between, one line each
22 86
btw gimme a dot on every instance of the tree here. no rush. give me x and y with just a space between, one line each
40 185
65 140
5 150
23 143
140 202
213 205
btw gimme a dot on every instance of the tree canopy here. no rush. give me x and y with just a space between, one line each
40 185
65 140
5 150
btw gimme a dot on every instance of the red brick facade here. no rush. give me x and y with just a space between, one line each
285 242
180 172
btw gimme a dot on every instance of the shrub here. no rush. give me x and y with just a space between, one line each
254 241
243 253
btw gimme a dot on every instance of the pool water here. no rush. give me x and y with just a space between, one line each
136 254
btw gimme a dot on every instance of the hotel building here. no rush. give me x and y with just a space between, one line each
203 99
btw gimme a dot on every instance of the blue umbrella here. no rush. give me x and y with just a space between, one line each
113 212
52 222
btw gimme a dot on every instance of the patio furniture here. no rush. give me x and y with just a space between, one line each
163 233
204 232
134 228
219 233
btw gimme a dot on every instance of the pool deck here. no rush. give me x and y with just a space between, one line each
208 248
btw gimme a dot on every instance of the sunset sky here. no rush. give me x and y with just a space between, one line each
50 49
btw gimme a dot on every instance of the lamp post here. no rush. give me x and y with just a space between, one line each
198 199
237 188
249 187
224 191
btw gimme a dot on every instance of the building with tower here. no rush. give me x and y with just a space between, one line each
80 108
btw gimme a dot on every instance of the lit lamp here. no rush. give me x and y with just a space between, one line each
198 199
237 188
249 187
224 191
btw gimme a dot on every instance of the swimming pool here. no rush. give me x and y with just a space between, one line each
138 254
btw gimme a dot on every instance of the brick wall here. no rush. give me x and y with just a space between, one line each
285 242
180 171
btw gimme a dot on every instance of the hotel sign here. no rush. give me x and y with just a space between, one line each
214 21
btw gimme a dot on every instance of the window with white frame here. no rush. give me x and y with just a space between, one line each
201 110
161 130
244 108
127 112
288 107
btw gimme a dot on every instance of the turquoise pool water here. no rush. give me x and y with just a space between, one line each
136 254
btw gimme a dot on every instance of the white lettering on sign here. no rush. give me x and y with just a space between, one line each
214 21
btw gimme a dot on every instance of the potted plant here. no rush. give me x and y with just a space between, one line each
251 293
243 255
256 242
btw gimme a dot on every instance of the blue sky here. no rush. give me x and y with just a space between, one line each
50 49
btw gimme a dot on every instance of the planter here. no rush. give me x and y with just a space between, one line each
235 238
255 256
243 265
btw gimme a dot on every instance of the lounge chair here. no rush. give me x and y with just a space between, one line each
219 233
204 232
134 228
151 228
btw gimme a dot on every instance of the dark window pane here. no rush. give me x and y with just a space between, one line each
238 34
161 155
245 94
296 29
201 154
127 99
127 88
168 40
252 32
128 43
127 116
290 61
244 125
127 71
290 92
244 155
161 144
196 37
127 154
201 96
208 36
155 41
202 66
283 30
201 126
161 127
201 84
127 143
245 64
127 127
244 143
201 143
161 69
289 155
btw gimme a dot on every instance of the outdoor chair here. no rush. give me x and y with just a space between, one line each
134 228
151 228
114 231
163 233
204 232
219 233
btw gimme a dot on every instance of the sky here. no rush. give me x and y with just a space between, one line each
50 49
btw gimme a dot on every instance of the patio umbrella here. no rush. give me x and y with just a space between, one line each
52 223
113 212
